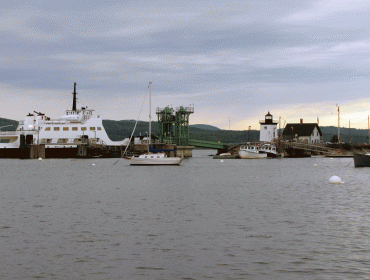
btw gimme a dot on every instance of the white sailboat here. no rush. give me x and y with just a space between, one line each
153 158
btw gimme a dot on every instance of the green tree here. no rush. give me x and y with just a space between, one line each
334 139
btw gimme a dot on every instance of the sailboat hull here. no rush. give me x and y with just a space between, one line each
155 161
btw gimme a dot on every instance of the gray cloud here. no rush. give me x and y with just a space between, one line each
215 53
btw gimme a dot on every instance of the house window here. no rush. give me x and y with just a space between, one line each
99 128
317 134
65 128
56 128
74 128
83 128
92 128
47 128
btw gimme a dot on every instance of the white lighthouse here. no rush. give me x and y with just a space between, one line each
268 130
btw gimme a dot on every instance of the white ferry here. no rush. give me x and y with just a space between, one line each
59 135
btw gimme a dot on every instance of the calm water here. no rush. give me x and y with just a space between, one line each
207 219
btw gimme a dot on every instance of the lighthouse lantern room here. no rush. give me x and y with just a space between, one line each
268 129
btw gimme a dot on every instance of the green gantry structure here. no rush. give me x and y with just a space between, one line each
173 127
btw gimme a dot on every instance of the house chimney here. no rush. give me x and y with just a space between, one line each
301 121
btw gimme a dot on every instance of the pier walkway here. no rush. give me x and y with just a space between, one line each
316 148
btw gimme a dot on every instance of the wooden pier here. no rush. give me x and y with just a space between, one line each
94 149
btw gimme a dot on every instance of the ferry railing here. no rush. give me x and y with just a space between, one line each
7 133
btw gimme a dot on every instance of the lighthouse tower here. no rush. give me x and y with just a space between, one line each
268 130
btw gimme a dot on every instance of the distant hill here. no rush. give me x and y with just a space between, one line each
8 125
357 135
204 126
119 130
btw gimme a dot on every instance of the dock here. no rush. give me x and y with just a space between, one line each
90 148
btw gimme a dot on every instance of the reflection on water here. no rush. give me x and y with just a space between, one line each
207 219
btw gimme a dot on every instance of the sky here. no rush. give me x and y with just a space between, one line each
234 61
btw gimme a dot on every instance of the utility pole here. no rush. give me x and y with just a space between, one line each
368 127
338 126
150 112
279 127
349 131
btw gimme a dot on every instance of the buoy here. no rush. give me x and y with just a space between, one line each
335 180
221 160
315 165
40 158
93 164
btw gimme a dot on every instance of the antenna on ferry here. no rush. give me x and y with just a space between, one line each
74 98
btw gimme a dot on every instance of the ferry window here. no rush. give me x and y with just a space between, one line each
99 128
92 128
4 140
47 128
74 128
83 128
65 128
56 128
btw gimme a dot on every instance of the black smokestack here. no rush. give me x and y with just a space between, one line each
74 99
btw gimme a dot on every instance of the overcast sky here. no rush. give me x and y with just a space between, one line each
234 60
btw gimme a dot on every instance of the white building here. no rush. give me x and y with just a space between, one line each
302 132
268 129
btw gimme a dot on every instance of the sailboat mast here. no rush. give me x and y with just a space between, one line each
150 112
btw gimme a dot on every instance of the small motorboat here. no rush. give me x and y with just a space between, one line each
251 151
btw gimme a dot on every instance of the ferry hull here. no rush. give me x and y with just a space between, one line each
66 152
15 153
